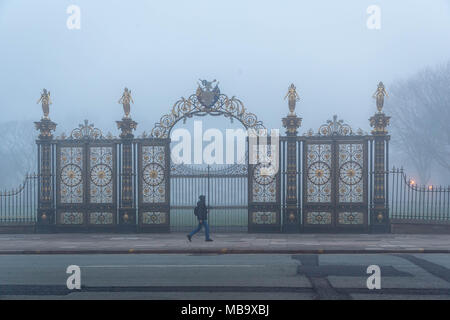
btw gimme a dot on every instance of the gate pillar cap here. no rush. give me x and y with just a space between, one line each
292 122
45 127
126 125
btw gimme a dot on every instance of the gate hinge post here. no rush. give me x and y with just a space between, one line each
379 213
127 209
290 214
45 210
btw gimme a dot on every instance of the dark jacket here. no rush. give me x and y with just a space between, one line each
202 212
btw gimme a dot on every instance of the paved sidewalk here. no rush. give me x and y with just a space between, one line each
223 243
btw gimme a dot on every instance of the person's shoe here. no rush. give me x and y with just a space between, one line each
209 240
189 237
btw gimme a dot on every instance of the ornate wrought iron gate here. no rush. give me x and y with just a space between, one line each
335 184
86 179
329 180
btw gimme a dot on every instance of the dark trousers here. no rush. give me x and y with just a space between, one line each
203 223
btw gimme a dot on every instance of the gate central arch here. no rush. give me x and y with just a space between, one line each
206 101
238 195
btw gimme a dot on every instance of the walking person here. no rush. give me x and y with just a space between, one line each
202 215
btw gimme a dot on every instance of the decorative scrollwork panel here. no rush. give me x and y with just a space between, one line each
260 217
318 166
101 218
319 218
264 193
71 186
351 218
264 184
153 174
351 172
71 218
154 218
101 174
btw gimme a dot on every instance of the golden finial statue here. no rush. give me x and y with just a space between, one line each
379 96
46 102
293 98
125 101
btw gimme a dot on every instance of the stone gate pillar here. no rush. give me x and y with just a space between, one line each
379 211
127 209
46 210
291 218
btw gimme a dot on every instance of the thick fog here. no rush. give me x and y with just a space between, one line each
255 49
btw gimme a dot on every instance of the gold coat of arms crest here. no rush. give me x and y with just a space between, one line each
206 94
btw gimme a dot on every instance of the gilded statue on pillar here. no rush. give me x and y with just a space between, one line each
293 98
46 102
125 101
379 96
379 121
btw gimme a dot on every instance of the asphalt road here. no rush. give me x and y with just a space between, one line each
226 276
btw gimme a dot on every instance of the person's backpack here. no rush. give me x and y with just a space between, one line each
196 211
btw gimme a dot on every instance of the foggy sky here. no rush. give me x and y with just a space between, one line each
159 49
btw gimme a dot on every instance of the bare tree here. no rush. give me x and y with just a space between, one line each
420 108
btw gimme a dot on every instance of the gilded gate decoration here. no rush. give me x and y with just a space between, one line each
71 175
318 172
264 195
335 178
206 101
264 185
352 184
70 185
101 183
351 164
154 184
86 178
153 174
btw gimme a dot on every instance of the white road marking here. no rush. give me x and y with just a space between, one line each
177 266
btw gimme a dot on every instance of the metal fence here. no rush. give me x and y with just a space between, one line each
19 206
410 201
227 188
